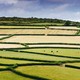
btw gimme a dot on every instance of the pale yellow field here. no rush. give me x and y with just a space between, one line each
70 46
10 46
44 39
65 27
36 31
2 36
61 32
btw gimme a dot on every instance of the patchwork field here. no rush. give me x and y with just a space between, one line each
37 31
58 73
40 30
36 57
32 56
39 64
56 51
44 39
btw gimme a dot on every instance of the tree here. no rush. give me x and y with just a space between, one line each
67 23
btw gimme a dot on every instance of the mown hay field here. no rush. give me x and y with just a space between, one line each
10 46
37 31
2 36
18 61
44 39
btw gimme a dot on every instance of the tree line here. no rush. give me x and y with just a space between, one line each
28 21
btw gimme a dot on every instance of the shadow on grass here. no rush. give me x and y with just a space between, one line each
40 64
2 64
5 69
71 66
28 76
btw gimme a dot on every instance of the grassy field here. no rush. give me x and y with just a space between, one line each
58 24
9 61
49 72
58 73
32 56
75 64
25 23
7 75
2 67
56 51
54 72
39 63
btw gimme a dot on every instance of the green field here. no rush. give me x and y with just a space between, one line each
55 51
7 75
51 72
40 69
50 63
75 64
32 56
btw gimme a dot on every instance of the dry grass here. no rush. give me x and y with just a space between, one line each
36 31
65 27
44 39
2 36
69 46
10 46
